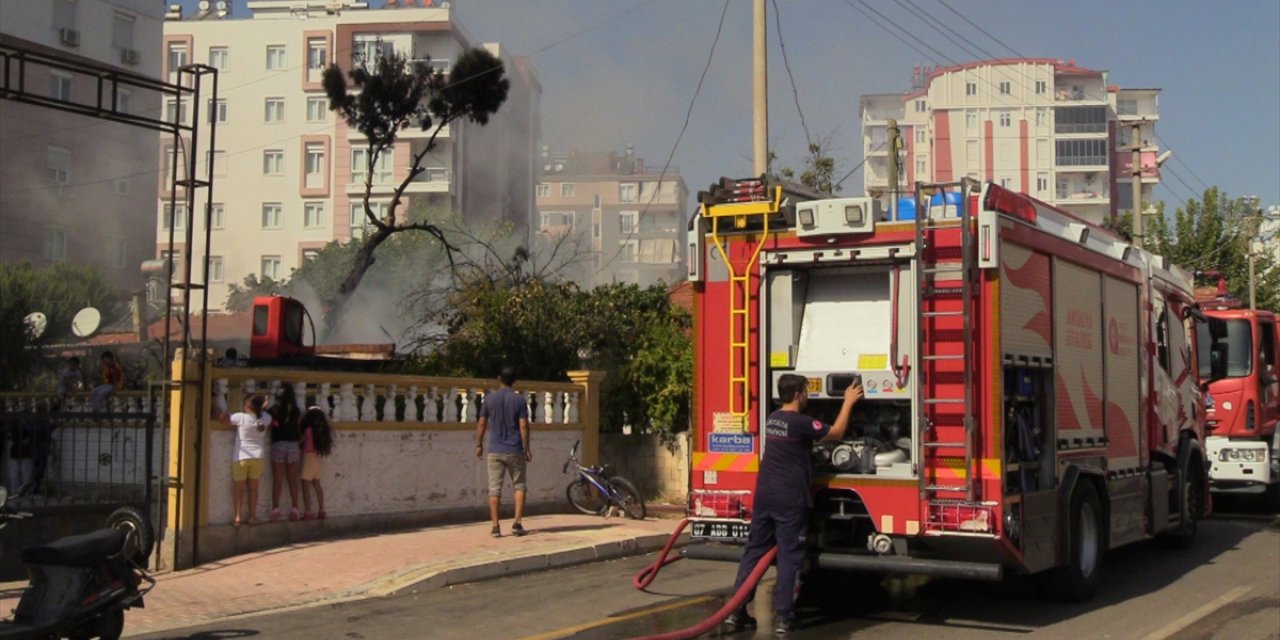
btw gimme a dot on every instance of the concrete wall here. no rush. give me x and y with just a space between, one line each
658 471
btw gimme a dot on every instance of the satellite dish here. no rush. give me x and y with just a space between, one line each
86 322
203 5
36 323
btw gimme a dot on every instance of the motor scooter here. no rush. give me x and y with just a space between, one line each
79 585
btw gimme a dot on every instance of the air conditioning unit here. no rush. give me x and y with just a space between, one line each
69 37
129 56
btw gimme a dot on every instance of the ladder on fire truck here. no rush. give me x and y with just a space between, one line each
937 271
749 199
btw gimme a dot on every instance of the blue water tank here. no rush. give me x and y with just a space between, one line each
953 200
906 208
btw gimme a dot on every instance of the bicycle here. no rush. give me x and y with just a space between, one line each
595 492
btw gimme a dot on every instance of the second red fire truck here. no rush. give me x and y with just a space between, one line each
1032 393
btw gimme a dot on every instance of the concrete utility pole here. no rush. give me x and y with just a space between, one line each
1251 220
893 142
1139 230
760 90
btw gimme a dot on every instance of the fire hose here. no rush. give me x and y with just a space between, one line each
645 577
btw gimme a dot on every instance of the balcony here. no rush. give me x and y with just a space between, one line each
412 133
1081 194
1080 92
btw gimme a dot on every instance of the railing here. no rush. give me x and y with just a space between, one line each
1081 194
380 398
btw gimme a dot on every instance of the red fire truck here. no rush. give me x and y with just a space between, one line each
1243 409
1032 391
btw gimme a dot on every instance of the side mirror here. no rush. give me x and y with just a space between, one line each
1194 312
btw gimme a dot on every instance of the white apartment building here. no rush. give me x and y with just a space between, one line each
73 187
632 226
1043 127
289 174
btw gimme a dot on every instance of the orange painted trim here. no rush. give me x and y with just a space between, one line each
322 190
307 36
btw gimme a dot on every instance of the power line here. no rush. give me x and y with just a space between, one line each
1181 162
687 116
886 30
859 166
904 31
984 31
929 21
777 21
1190 189
592 27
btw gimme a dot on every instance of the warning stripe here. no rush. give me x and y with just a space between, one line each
725 462
954 468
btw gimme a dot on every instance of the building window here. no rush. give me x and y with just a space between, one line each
360 222
271 267
218 111
123 100
1041 87
64 14
970 154
543 190
1005 119
627 221
1042 118
1005 88
276 57
920 168
567 190
1006 182
219 161
628 192
119 251
595 201
628 251
177 56
315 165
920 106
55 244
971 88
595 229
272 215
1127 107
1074 153
382 170
217 215
122 31
317 53
369 49
215 269
171 218
557 221
317 109
175 111
313 214
218 58
920 135
273 162
60 86
1042 182
310 254
971 121
120 186
274 110
1080 120
58 163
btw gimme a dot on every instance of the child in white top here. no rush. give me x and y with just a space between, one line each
249 450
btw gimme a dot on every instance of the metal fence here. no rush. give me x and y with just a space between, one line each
67 457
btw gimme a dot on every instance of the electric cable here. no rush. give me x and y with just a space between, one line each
795 93
859 165
687 116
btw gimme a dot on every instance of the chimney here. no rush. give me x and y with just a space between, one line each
138 307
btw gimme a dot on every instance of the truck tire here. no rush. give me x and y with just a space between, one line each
1190 507
1077 580
142 537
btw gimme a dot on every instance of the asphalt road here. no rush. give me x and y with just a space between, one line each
1227 586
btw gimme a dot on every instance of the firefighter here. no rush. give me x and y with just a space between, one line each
783 498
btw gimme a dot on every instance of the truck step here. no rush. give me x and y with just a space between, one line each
944 445
942 314
950 268
930 292
934 487
944 400
942 357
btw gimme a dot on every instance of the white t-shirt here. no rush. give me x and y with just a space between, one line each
251 435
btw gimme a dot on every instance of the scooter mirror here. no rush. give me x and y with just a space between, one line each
4 495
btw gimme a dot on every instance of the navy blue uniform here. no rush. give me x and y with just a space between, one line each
782 501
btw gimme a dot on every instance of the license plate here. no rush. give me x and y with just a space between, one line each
815 385
720 530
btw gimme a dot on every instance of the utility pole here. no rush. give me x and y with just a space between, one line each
1139 231
1252 217
893 142
760 90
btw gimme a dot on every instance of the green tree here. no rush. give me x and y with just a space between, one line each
58 291
388 95
819 169
1209 234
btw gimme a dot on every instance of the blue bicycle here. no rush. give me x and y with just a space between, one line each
595 492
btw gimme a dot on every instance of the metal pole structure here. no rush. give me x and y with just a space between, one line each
892 132
1251 229
1139 224
760 92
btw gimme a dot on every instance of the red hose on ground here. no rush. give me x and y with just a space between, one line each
647 575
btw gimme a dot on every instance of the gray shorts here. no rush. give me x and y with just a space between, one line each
513 465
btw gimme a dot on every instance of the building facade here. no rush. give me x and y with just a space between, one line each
1043 127
289 175
608 205
75 188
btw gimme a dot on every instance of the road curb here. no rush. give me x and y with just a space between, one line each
437 575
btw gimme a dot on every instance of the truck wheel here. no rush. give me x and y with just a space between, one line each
141 536
1190 508
1077 580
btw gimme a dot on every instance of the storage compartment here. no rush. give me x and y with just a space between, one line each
878 441
1028 441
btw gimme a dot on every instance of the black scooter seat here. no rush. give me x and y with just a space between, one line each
88 550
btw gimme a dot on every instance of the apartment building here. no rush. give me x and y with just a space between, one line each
1049 128
631 225
289 174
72 187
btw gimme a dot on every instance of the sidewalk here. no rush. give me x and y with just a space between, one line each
355 568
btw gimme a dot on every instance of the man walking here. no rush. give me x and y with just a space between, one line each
782 497
508 413
112 381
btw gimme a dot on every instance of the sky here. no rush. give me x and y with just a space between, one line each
625 72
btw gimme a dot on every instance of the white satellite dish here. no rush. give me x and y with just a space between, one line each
86 322
36 322
203 5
